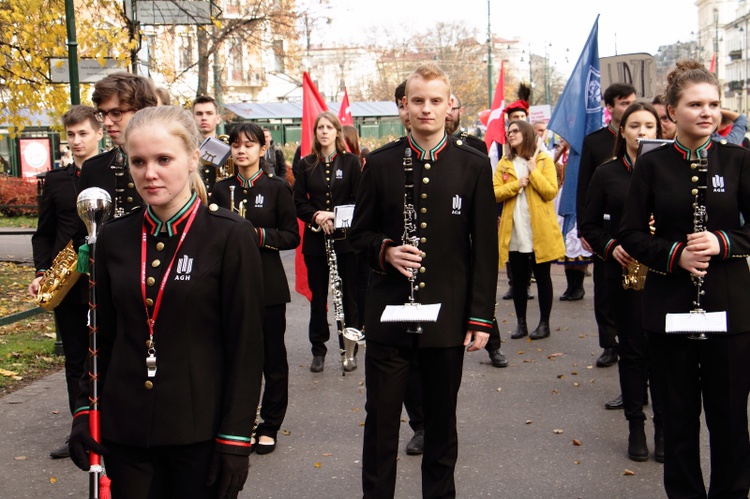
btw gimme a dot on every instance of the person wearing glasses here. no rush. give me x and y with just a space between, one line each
117 98
526 182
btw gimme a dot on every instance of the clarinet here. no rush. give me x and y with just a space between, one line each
120 180
700 219
410 230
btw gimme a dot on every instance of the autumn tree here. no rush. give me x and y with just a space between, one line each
33 32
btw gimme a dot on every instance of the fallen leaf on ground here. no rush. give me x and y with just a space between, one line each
628 473
286 432
20 458
7 373
318 464
557 431
328 454
576 384
52 479
528 421
553 355
560 376
576 462
577 442
554 392
499 389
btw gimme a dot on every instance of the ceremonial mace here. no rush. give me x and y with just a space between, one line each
94 207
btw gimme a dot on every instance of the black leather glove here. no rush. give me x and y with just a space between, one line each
81 442
230 471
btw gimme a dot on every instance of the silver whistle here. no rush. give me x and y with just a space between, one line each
151 364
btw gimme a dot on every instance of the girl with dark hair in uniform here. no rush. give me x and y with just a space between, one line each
327 178
178 283
265 200
715 372
600 224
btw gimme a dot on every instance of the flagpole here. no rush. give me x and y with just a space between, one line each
489 58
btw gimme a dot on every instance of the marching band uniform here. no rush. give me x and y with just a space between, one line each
209 347
457 229
600 225
270 208
715 371
100 170
598 147
320 185
58 224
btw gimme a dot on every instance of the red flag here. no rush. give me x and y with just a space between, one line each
312 105
713 64
496 123
345 111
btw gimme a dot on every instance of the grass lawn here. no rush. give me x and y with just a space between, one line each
22 221
26 346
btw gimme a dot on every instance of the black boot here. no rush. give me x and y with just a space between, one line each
578 291
570 279
637 448
659 445
541 331
521 331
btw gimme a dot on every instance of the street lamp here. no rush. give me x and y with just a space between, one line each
489 58
546 72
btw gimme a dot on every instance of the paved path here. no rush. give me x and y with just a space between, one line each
507 420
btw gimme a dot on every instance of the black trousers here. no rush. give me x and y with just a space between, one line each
519 263
275 371
413 397
633 365
317 278
168 472
602 310
494 342
386 376
715 372
71 320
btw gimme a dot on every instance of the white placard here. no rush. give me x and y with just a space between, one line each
89 70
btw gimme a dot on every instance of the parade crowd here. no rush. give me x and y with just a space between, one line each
192 373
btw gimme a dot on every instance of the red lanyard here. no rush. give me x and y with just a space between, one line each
151 320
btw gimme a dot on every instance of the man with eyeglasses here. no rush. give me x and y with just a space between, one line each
117 97
453 126
668 127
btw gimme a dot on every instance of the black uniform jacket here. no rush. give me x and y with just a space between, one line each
472 141
662 184
457 227
98 172
321 185
209 343
59 223
600 222
598 147
270 208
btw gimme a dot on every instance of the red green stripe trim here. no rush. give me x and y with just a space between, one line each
432 154
479 322
610 246
383 246
723 237
672 255
261 237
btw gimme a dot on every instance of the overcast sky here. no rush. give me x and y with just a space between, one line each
624 26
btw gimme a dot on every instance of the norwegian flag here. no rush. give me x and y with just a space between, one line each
496 122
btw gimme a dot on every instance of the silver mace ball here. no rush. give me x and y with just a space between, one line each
94 206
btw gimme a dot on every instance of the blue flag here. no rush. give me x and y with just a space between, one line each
577 114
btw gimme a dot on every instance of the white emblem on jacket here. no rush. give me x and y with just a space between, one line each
456 205
718 183
259 201
184 267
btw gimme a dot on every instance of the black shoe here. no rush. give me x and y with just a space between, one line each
541 331
317 364
529 294
577 294
521 331
61 452
566 295
508 294
265 448
497 358
415 447
659 446
637 448
615 404
607 358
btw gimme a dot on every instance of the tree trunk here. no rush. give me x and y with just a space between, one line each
202 63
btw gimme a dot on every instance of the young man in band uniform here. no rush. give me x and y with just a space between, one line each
117 97
58 224
457 267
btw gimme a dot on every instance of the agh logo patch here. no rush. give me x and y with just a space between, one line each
456 205
718 182
259 201
339 174
184 268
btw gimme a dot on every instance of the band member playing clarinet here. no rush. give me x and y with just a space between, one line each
265 200
180 344
456 266
326 178
698 191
